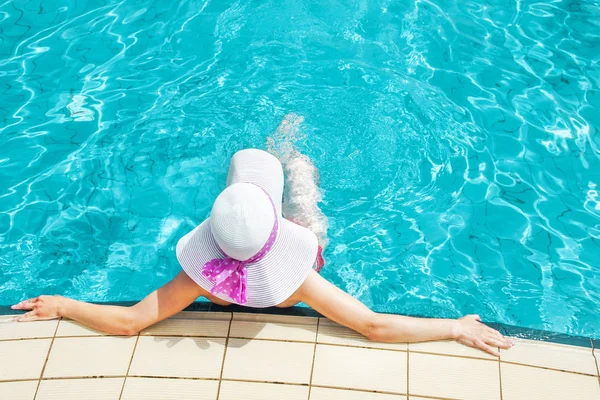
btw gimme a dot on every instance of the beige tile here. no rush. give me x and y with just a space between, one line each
318 393
89 356
520 382
278 327
260 360
76 389
358 368
24 390
260 391
551 355
189 357
597 357
23 359
424 398
197 324
159 389
450 347
10 330
67 327
203 315
332 333
444 376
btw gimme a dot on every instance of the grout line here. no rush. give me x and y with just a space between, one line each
181 378
143 335
267 382
596 361
500 374
363 390
137 339
318 386
548 368
82 378
224 355
453 355
273 340
312 367
27 338
46 361
61 378
60 337
408 372
353 346
435 398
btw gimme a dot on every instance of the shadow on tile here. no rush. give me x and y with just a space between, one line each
172 341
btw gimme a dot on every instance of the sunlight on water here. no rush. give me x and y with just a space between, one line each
457 145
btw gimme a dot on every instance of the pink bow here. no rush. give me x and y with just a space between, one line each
229 277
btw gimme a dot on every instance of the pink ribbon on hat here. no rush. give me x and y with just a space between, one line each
229 275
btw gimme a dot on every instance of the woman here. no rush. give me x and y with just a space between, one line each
247 253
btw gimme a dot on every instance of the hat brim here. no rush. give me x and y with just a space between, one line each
270 281
260 168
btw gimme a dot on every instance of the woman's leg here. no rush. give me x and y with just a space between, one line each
302 193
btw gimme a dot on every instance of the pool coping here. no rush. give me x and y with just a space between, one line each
505 329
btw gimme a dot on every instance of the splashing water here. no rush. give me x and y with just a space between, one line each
302 193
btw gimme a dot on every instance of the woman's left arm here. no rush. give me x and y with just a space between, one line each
344 309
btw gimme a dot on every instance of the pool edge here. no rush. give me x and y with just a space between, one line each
505 329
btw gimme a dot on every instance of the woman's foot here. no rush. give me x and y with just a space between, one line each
282 144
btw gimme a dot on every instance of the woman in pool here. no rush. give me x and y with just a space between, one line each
247 253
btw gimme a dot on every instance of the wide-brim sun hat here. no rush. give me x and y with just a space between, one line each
246 252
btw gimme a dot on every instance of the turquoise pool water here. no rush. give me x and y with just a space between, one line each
457 143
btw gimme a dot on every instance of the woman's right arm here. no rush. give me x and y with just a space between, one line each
160 304
344 309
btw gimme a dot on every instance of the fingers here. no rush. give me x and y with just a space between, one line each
25 304
505 343
502 341
493 337
487 348
28 316
499 339
497 343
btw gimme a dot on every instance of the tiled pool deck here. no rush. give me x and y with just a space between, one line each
226 356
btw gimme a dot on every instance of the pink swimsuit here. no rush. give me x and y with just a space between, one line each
320 263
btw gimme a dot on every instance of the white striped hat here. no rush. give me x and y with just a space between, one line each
242 219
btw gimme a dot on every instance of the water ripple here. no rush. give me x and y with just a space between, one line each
457 143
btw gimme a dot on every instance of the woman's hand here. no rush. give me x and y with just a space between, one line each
42 308
469 331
